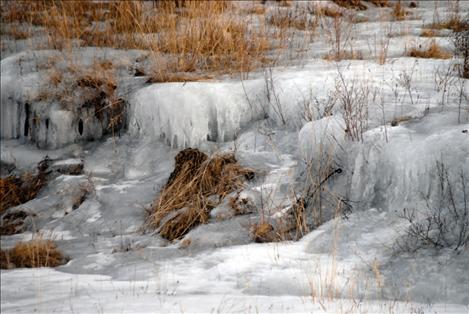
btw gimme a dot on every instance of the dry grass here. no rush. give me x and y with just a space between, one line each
398 120
18 190
264 232
351 4
255 9
206 36
399 13
291 19
327 11
379 3
184 202
343 55
432 52
13 222
34 253
426 32
95 85
455 23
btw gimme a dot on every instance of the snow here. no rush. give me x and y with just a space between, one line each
278 124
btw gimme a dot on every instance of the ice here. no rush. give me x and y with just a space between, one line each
280 123
322 139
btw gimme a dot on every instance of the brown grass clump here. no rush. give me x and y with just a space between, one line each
34 253
327 11
264 232
433 52
351 4
255 9
399 13
343 55
426 32
398 120
184 201
455 23
379 3
164 77
18 190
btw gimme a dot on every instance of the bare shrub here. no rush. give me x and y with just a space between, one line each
445 221
461 44
339 34
444 80
273 100
353 98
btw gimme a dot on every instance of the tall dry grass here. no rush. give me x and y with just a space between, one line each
197 185
37 252
199 36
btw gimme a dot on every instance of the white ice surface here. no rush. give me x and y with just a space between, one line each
343 266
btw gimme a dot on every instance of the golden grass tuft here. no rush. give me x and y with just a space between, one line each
432 52
184 201
264 232
31 254
427 32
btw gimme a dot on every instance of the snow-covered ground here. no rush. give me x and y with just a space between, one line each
278 128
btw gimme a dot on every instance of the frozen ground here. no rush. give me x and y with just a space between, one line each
345 265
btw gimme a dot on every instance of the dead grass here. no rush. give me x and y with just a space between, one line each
263 232
88 86
427 32
327 11
455 23
351 4
206 36
343 55
184 201
291 19
255 9
432 52
13 222
399 13
398 120
18 190
163 77
31 254
379 3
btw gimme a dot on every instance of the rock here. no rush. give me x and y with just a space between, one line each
69 167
